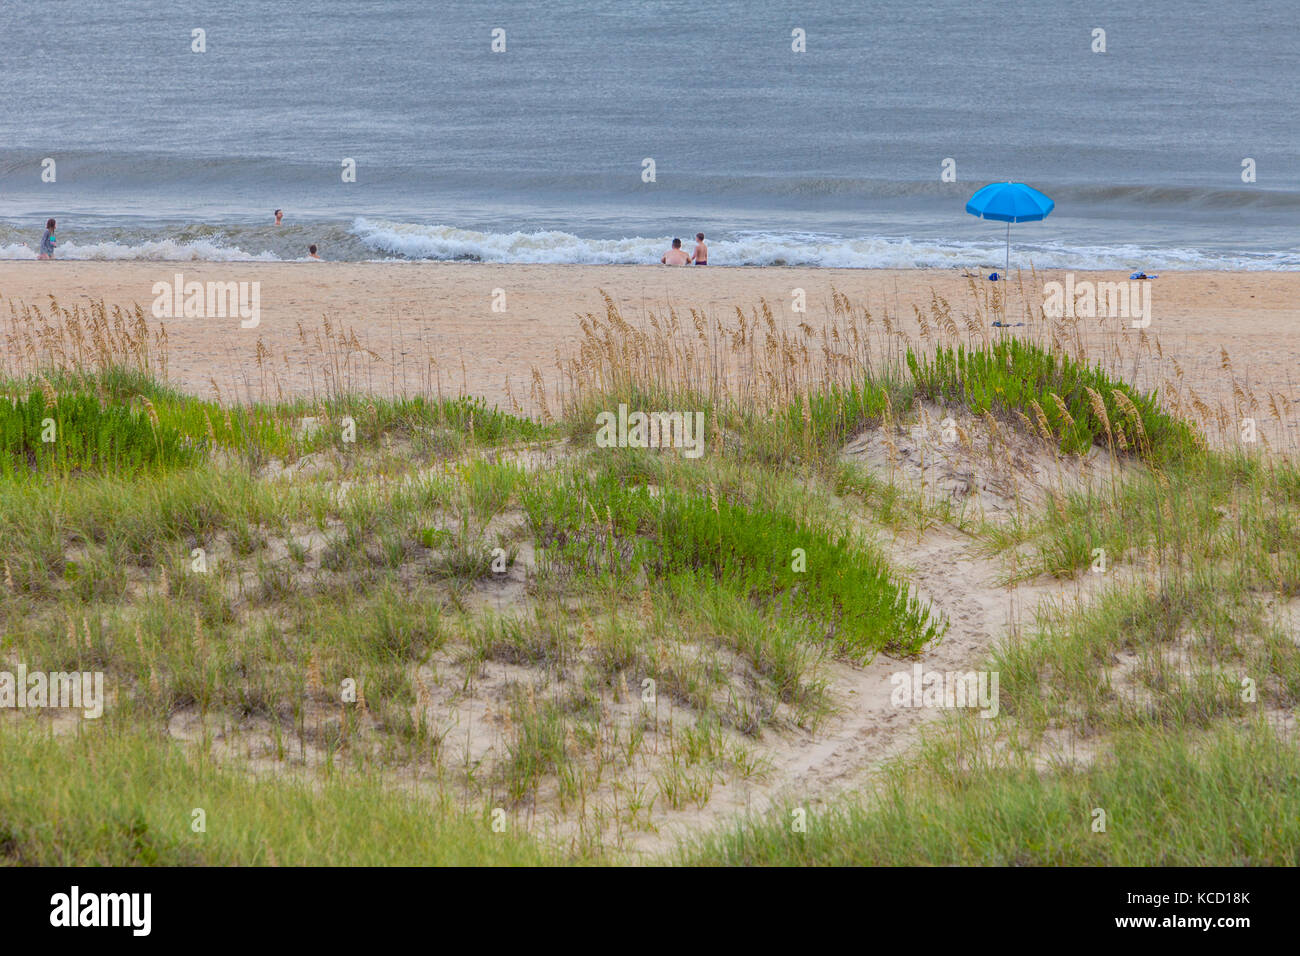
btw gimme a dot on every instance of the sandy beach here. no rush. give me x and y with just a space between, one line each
434 324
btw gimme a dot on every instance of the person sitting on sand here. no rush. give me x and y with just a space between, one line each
676 256
311 251
48 241
279 214
701 255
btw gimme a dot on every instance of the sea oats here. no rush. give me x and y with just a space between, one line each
1062 410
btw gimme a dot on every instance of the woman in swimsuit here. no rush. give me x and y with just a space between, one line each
48 241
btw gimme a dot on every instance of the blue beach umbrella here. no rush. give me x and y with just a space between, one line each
1010 202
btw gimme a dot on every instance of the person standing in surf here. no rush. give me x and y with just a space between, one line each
279 214
48 241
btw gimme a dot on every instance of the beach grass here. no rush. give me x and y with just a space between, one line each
359 629
119 796
1225 798
1078 405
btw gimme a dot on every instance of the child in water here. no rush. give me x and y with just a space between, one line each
48 241
701 254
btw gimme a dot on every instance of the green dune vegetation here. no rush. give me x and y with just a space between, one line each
364 629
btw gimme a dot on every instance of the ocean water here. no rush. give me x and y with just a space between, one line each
829 157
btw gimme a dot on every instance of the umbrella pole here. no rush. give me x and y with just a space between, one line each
1007 266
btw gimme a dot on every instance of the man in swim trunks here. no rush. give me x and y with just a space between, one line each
701 256
48 241
676 256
